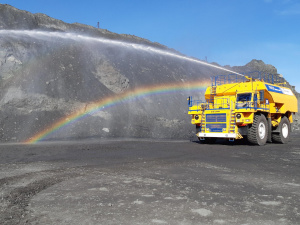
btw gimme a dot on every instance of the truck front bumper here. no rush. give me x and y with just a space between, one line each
216 135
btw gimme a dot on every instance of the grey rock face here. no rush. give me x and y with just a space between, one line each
259 65
46 78
110 77
12 18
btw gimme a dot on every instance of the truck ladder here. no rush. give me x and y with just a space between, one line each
202 123
213 93
232 122
232 128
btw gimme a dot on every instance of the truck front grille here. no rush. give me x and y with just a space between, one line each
216 118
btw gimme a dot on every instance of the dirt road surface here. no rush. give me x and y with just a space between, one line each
149 182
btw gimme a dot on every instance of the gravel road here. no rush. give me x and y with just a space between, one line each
149 182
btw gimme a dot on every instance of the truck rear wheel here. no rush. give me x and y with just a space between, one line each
283 136
258 132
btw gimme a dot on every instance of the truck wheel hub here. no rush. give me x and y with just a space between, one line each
285 130
261 130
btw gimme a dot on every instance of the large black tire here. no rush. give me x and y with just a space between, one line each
208 140
198 129
284 128
258 132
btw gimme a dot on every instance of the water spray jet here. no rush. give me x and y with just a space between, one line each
79 37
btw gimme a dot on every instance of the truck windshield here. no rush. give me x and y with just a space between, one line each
244 97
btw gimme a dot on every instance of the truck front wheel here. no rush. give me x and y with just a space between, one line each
258 132
284 129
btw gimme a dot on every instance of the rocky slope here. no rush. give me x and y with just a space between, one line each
50 74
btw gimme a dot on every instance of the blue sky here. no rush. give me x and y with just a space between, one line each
229 32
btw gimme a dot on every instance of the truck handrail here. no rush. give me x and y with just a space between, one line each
256 75
198 105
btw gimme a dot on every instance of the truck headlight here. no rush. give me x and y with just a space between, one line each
238 116
196 117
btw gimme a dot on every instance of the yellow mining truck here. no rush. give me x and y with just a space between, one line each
255 106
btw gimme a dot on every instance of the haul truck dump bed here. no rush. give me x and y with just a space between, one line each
257 107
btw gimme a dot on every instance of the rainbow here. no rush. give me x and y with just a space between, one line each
93 107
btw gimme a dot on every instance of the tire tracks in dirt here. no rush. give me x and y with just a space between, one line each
15 198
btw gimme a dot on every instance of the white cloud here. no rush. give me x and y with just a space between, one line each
290 10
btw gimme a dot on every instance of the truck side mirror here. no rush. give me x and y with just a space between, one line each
189 101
